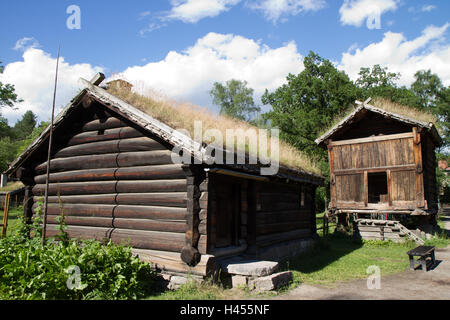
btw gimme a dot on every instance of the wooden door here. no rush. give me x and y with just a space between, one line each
227 214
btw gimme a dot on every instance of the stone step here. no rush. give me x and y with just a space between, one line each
249 268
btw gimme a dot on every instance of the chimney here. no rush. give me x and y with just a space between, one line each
120 84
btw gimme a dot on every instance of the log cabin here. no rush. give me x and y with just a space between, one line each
382 162
113 178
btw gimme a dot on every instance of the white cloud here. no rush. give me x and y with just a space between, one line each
192 11
25 43
274 10
428 8
34 78
355 12
189 75
428 51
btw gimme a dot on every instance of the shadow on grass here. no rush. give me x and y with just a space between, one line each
328 250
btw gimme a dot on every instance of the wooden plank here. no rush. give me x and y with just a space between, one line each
372 139
402 167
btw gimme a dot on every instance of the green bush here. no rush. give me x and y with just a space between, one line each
70 270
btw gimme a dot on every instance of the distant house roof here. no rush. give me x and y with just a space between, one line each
362 110
158 128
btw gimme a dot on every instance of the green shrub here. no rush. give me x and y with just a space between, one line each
69 269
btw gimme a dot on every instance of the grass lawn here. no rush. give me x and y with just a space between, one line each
339 258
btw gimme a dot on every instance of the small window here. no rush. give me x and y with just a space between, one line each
378 188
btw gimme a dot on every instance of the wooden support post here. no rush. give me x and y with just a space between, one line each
332 175
389 187
366 188
419 168
190 254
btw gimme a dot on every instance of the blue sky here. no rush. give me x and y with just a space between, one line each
180 47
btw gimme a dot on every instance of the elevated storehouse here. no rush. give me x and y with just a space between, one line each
113 176
382 162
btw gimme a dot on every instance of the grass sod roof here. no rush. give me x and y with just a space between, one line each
158 116
180 115
387 108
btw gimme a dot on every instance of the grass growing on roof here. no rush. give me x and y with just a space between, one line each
389 106
183 115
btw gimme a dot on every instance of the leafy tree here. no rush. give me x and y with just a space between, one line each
8 149
235 99
376 77
427 88
7 95
25 126
442 110
309 101
379 82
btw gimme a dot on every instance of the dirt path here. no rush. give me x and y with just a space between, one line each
417 285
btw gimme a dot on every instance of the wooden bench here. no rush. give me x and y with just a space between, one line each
424 253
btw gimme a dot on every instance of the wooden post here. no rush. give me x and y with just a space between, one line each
419 167
332 175
389 187
190 254
366 188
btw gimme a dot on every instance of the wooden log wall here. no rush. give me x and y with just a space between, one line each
283 212
113 182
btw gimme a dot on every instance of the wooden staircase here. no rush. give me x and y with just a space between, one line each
370 229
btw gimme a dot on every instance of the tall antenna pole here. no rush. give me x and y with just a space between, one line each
44 227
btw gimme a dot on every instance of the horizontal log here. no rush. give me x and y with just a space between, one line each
170 261
155 240
103 124
154 172
112 146
280 227
275 205
301 215
82 221
76 188
113 160
110 134
151 225
266 240
120 211
150 212
81 210
80 232
173 199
